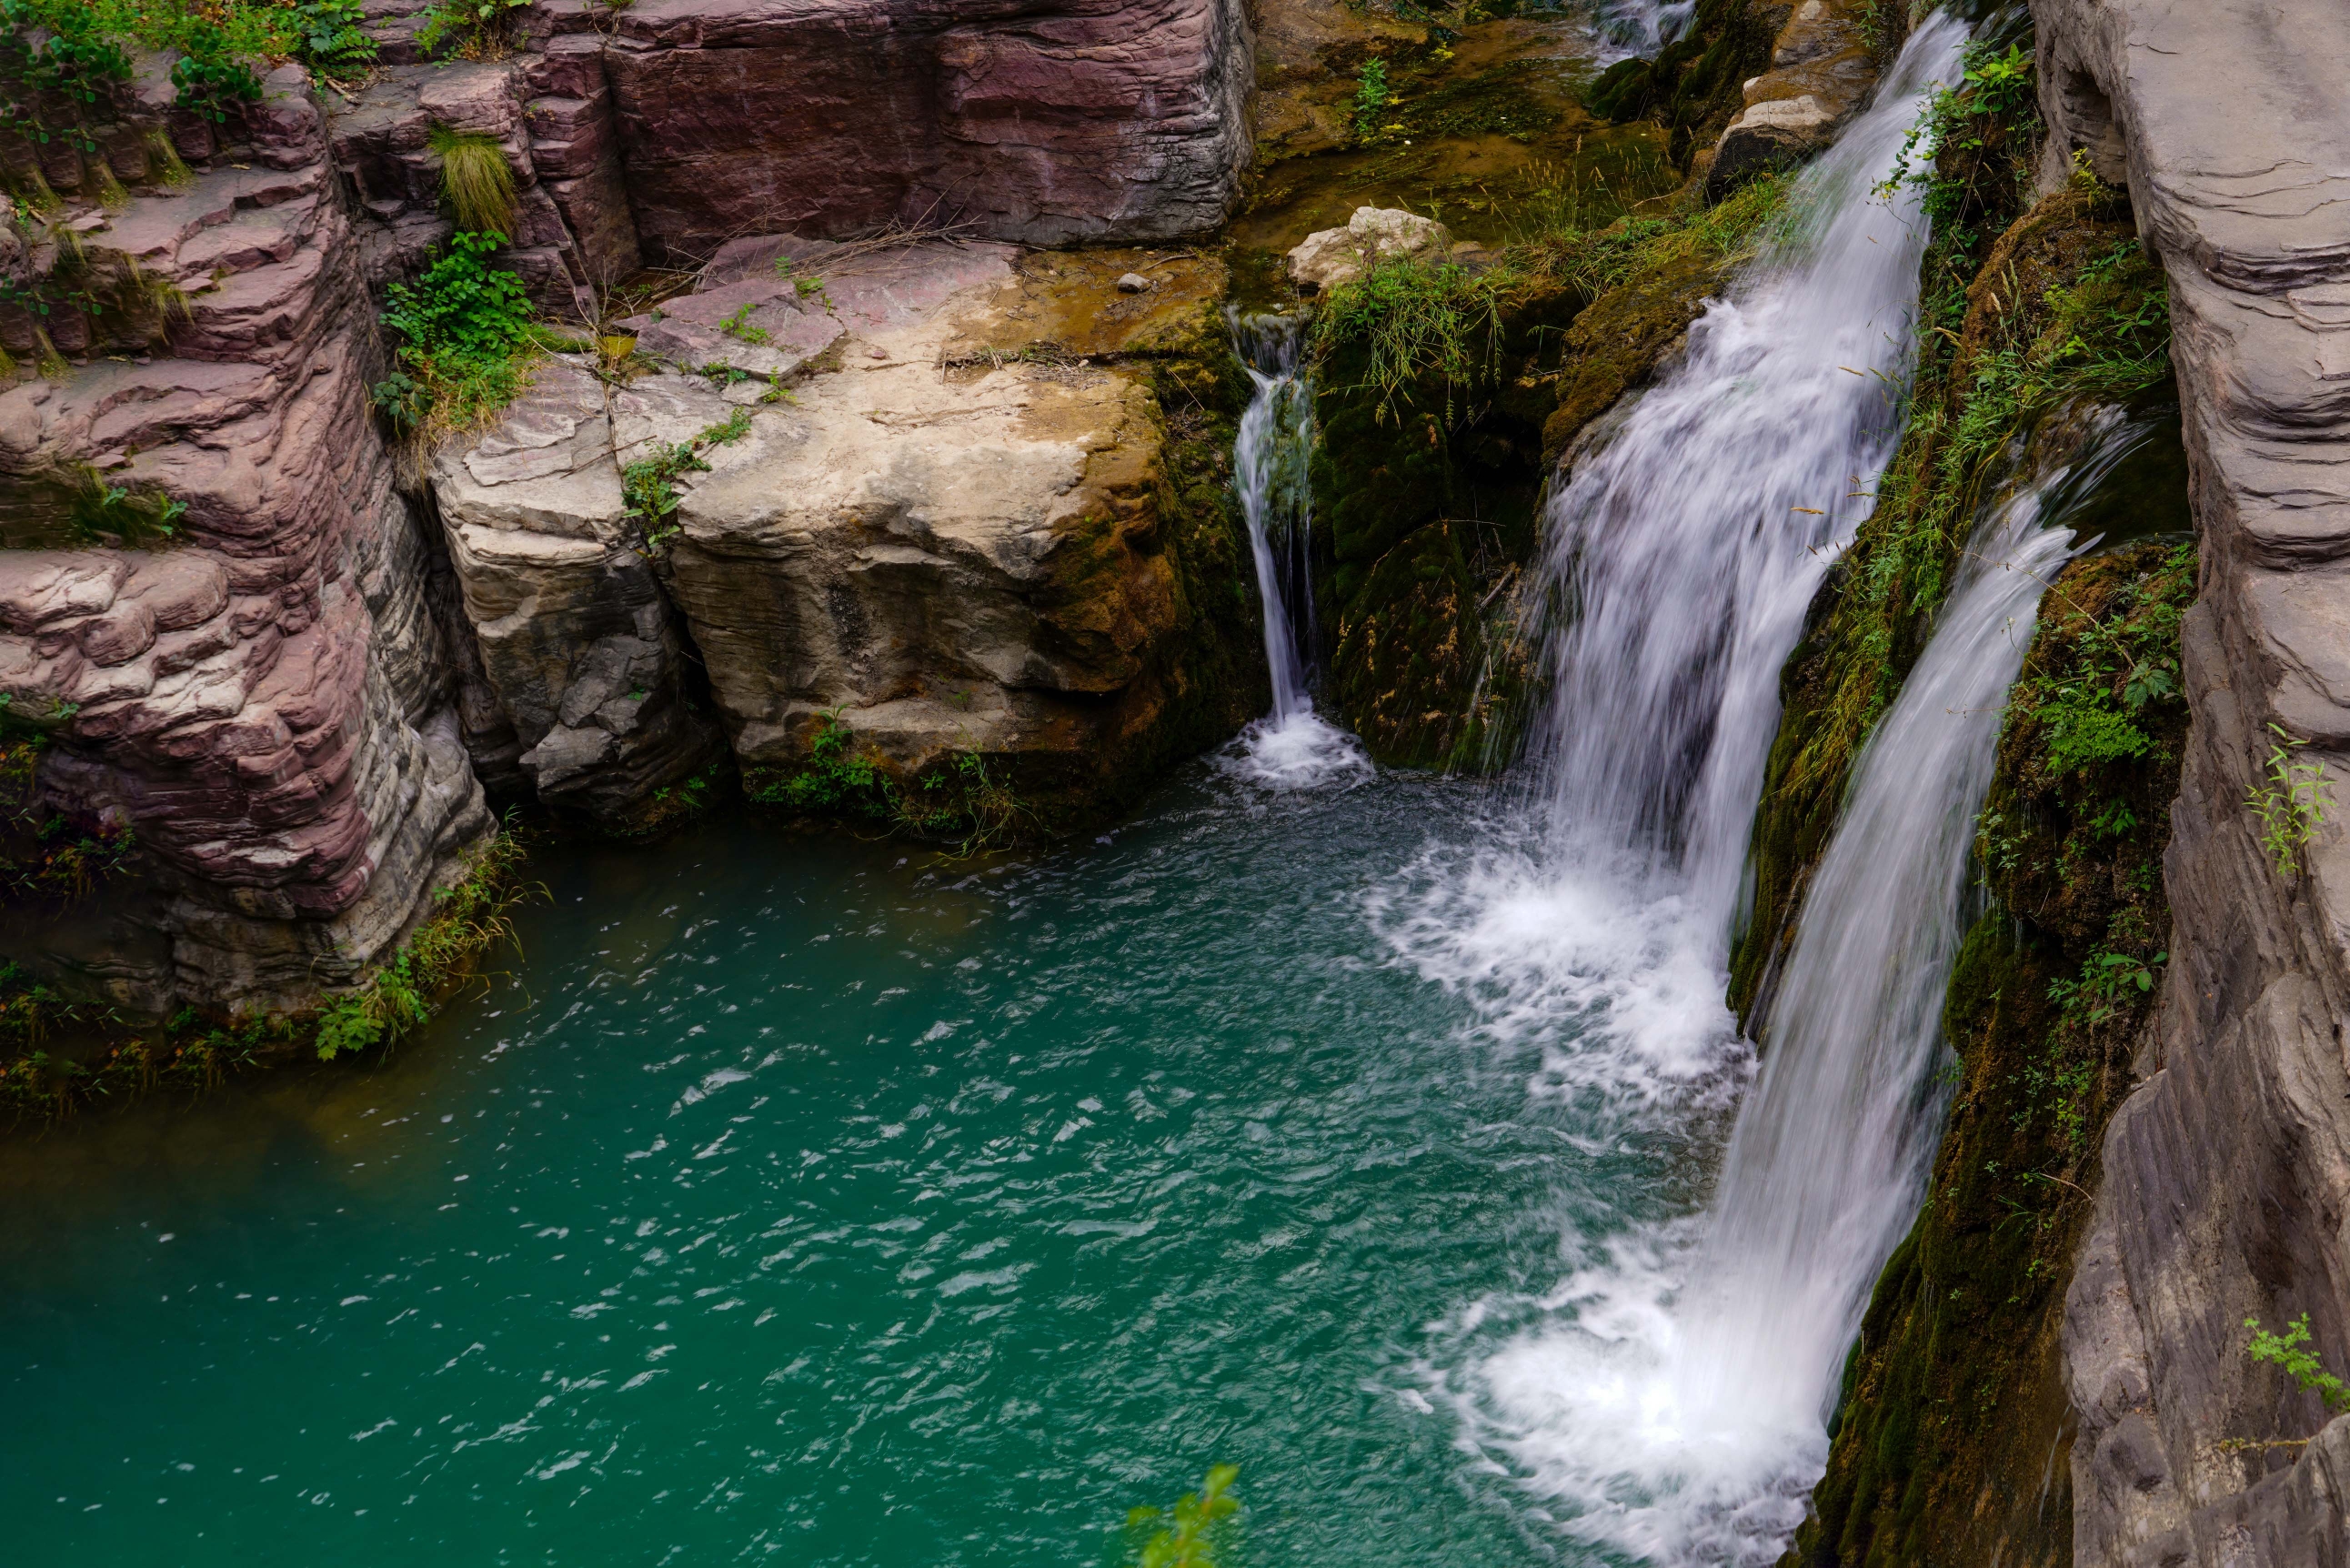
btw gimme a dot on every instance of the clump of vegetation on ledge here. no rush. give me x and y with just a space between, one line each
470 916
49 860
958 799
59 1053
464 340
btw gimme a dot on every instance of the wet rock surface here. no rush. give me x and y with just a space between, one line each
2228 1168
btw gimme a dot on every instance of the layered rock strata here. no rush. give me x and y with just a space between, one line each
664 130
2227 1169
945 531
213 600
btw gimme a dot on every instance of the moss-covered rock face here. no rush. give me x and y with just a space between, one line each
1445 395
2030 312
1425 493
1691 87
1949 1444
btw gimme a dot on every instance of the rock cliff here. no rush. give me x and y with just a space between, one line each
214 600
951 505
2228 1169
660 130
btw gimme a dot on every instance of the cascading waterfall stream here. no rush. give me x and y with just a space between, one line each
1690 544
1292 747
1671 1392
1679 1400
1831 1150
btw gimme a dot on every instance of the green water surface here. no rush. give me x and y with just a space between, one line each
810 1201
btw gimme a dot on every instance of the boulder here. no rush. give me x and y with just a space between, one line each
947 530
1329 257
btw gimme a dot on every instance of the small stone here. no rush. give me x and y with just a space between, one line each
1133 283
877 353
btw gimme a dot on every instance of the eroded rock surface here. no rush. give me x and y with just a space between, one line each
948 532
258 694
2228 1170
666 129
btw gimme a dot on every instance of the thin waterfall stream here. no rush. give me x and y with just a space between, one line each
1293 747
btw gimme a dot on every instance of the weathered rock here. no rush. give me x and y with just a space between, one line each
952 536
259 696
574 635
670 127
1821 70
1329 257
2228 1171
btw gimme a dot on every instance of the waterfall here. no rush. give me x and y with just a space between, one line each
1679 1403
1832 1147
1624 27
1670 1391
1292 747
1688 546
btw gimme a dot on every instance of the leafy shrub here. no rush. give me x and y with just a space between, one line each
462 327
1190 1533
2286 1350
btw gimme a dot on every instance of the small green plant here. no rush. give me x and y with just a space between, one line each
2292 805
1371 96
2288 1350
738 327
648 484
462 327
1189 1535
476 184
2106 984
114 514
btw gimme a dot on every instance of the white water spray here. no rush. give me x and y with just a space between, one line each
1623 27
1292 748
1690 544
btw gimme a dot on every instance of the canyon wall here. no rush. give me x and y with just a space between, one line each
282 658
659 131
2227 1170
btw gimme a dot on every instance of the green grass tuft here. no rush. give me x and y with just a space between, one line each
476 185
